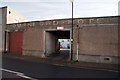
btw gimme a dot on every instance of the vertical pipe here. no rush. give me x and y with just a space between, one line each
72 36
5 42
77 53
45 44
77 43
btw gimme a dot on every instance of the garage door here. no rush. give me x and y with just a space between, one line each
15 42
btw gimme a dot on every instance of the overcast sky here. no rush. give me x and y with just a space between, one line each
59 9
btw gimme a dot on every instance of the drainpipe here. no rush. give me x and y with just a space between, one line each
77 43
77 55
5 41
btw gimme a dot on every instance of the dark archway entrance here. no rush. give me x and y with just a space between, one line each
52 43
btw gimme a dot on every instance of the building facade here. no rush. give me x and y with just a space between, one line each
7 16
98 38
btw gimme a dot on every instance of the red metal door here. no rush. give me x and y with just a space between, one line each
15 42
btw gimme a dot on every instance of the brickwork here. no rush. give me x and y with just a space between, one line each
66 22
98 40
97 36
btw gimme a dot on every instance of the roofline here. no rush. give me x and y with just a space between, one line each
98 17
3 7
68 19
80 18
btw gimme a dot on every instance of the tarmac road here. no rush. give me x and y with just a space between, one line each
7 74
44 70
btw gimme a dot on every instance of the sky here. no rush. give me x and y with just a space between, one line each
60 9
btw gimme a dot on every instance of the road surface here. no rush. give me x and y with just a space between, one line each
43 70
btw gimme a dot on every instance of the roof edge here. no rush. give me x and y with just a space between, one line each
4 7
68 19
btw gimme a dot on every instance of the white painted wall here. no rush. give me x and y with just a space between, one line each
14 17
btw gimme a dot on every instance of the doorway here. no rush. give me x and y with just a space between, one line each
53 42
15 42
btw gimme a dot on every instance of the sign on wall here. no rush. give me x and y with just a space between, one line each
60 28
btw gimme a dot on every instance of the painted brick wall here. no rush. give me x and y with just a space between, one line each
98 36
100 40
33 39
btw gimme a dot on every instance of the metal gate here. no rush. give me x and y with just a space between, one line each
15 42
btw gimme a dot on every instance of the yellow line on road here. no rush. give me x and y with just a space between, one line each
58 65
97 69
87 68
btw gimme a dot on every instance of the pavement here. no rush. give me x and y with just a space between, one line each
65 62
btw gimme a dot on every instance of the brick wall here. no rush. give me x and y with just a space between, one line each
98 36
